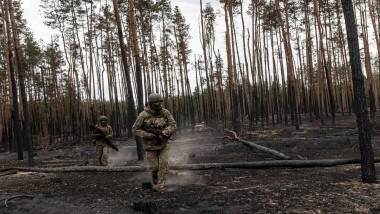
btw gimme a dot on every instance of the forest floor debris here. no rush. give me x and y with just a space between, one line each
335 189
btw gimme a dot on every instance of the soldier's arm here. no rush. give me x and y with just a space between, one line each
110 133
137 127
95 133
172 125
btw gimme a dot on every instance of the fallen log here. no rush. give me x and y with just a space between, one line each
261 148
84 169
205 166
272 164
8 173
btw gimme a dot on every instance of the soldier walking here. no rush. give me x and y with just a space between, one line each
154 125
101 144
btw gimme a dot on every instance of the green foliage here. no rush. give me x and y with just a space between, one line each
32 53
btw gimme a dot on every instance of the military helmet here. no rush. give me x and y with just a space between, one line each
103 118
154 97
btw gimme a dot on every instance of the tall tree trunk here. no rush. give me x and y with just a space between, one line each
231 69
13 86
92 107
309 62
140 92
26 131
249 102
253 67
376 34
360 106
367 61
289 61
131 102
210 108
327 71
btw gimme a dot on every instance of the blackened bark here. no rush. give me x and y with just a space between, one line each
15 112
329 88
360 106
140 92
131 102
15 117
27 135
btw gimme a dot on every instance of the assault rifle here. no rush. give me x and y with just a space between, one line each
158 135
104 137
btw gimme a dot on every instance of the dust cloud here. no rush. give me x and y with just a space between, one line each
184 178
122 157
181 154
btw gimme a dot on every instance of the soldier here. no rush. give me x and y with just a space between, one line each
154 125
101 145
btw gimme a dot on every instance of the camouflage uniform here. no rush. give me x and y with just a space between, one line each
157 150
101 145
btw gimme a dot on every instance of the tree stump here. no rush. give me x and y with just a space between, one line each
145 206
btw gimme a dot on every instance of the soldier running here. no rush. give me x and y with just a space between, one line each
154 125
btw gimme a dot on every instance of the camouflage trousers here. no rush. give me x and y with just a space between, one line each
159 164
102 154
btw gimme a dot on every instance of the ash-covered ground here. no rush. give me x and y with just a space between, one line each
335 189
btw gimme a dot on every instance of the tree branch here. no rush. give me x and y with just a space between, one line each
261 148
19 196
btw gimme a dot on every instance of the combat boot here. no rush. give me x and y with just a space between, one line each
159 188
154 178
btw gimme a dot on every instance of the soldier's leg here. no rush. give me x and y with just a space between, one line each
99 152
163 165
104 159
152 158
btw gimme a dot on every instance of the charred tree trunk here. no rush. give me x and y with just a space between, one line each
15 112
26 129
131 102
360 106
140 92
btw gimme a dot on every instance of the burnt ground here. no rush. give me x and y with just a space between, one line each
335 189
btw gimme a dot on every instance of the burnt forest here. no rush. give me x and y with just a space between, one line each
275 104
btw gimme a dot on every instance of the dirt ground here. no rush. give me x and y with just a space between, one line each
335 189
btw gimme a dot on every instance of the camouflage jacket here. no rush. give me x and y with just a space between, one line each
106 129
161 120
